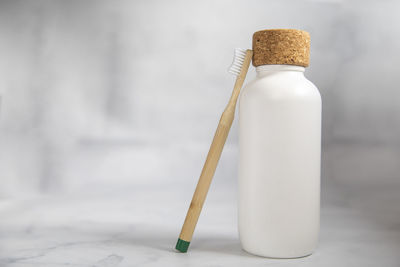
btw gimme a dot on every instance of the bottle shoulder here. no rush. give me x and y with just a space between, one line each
281 86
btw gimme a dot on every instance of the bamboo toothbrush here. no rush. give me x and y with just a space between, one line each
239 68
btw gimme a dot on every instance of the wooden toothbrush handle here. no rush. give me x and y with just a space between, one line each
206 176
211 163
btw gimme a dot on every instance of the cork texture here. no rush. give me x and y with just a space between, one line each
281 46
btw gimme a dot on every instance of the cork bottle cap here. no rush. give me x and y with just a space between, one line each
281 46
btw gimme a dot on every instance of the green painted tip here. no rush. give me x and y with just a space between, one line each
182 245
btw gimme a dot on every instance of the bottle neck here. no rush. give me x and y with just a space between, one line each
264 70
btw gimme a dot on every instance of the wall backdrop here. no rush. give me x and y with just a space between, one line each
99 96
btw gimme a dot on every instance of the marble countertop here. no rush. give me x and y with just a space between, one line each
139 227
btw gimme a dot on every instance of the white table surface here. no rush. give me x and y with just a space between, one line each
139 227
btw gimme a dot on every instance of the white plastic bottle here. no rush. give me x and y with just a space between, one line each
280 150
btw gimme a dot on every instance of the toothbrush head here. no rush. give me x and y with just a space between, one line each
238 60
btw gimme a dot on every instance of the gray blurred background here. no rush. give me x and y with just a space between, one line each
100 96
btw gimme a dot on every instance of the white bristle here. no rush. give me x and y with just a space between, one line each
238 60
